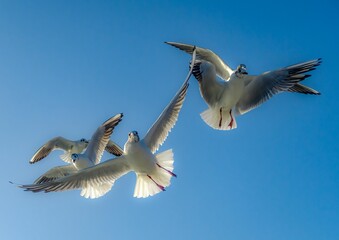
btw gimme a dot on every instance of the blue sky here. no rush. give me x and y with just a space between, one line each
67 66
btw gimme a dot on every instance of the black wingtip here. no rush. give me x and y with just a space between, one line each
13 183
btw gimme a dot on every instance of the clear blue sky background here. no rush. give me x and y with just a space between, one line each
67 66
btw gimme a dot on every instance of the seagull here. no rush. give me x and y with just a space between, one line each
89 158
69 147
153 171
237 92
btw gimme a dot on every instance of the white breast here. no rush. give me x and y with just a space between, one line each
139 157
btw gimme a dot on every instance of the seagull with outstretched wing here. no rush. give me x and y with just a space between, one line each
89 158
236 92
69 147
153 171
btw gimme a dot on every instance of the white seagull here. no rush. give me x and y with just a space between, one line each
89 158
69 147
153 171
238 92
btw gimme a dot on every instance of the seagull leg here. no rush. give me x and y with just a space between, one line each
170 172
159 186
231 122
220 121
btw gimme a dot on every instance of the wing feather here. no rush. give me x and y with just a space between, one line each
262 87
100 138
56 173
222 69
89 178
158 133
53 144
299 88
114 148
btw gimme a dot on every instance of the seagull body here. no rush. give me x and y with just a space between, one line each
153 171
238 92
140 158
221 97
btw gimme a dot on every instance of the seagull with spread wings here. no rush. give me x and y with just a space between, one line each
89 158
153 171
237 92
69 147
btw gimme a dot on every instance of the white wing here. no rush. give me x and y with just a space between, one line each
222 69
158 133
91 180
262 87
56 173
100 138
53 144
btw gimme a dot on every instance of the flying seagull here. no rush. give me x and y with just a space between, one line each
69 147
239 92
153 171
89 158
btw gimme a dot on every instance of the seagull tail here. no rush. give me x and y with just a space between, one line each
219 120
66 157
149 185
299 88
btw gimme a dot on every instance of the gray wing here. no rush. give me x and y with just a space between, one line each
53 144
89 179
158 133
100 138
56 173
222 69
114 148
262 87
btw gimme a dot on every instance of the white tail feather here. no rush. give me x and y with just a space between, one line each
66 157
213 119
145 187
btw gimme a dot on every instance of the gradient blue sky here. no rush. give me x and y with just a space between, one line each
67 66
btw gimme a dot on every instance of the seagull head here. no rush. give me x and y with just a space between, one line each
241 70
133 136
74 157
84 140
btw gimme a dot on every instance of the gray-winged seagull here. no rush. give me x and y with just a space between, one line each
239 92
